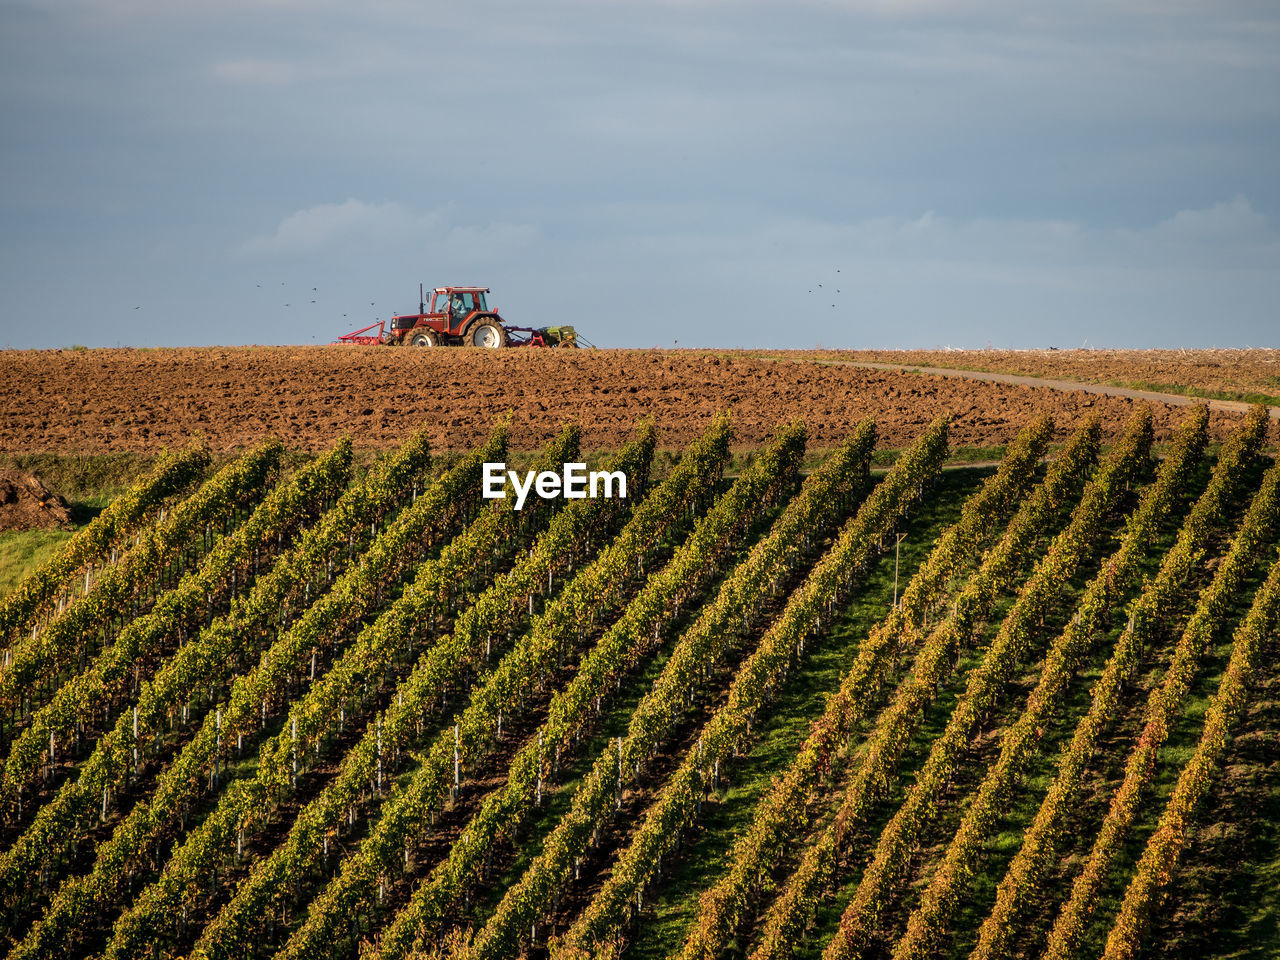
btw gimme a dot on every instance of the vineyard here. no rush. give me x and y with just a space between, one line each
297 707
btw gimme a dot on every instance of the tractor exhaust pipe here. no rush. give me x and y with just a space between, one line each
422 303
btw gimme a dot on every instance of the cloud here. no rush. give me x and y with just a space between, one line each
318 227
1235 220
327 226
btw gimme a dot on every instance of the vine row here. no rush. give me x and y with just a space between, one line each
31 666
1019 743
548 644
358 590
1026 873
237 929
724 907
1011 646
791 912
285 508
804 618
493 536
822 498
1163 707
1164 849
109 530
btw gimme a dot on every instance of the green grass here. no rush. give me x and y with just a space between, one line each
23 551
786 723
727 814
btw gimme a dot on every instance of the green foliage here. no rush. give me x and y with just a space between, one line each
739 602
725 905
366 640
808 611
1026 875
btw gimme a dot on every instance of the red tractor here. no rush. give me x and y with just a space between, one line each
459 316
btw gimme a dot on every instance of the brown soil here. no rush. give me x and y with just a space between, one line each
25 504
96 401
1224 371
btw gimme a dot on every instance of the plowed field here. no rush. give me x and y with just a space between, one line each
1217 371
94 401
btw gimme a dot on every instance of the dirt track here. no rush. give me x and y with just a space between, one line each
1227 371
140 400
1227 406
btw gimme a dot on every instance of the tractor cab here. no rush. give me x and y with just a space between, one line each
458 303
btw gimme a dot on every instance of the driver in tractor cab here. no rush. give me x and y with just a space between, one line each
459 311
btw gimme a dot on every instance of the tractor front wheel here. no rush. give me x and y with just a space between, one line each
487 334
427 338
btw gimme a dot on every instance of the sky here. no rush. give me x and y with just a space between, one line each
693 173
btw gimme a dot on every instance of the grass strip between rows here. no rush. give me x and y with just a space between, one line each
824 496
808 610
779 814
870 772
1019 742
1036 854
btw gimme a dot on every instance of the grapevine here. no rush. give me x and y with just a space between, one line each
1018 746
176 612
109 531
777 816
1026 873
1162 708
502 692
499 608
821 498
495 534
791 912
984 683
183 781
32 665
1164 849
802 619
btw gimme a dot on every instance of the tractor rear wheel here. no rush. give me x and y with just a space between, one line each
427 338
487 334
